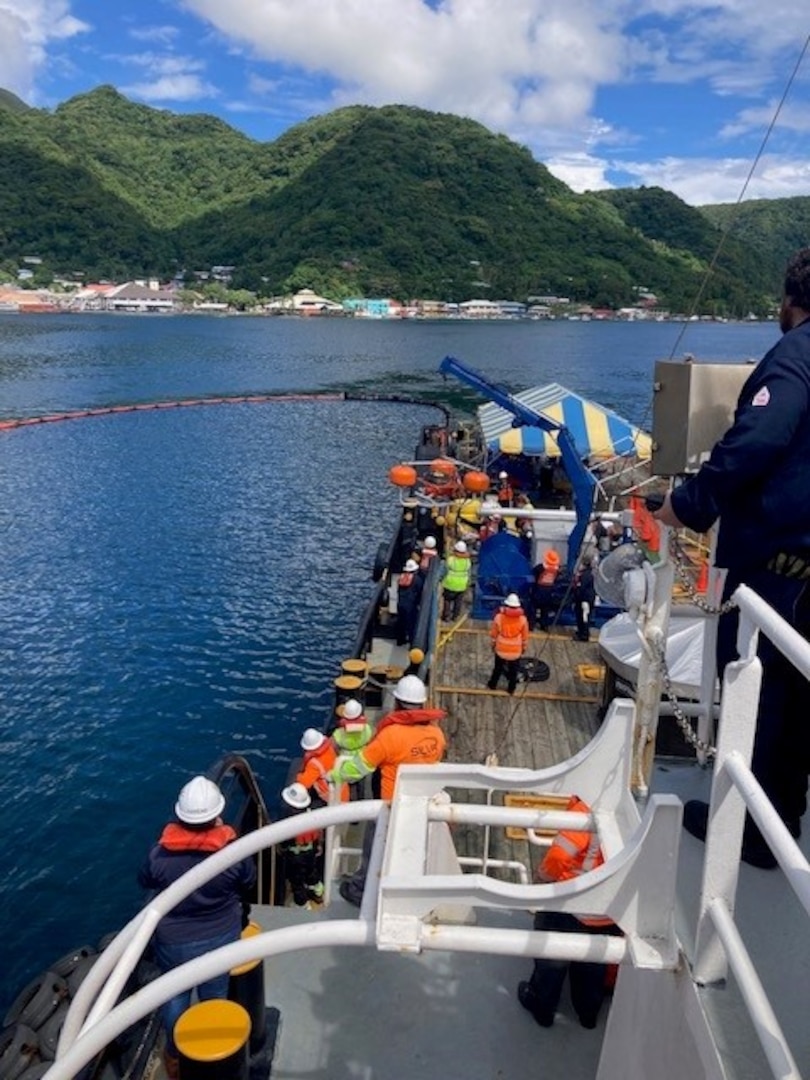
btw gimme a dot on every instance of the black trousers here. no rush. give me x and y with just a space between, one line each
508 667
587 979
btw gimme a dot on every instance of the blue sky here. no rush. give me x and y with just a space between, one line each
607 93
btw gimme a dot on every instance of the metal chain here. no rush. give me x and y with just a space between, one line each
681 719
683 570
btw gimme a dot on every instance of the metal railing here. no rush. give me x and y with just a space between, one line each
735 791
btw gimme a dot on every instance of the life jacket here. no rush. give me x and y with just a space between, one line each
572 853
305 841
410 716
547 575
510 632
176 837
428 555
459 567
316 764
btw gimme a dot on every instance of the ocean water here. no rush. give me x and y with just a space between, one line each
184 582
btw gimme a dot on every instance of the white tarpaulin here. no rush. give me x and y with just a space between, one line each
620 647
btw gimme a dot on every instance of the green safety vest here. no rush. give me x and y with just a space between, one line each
458 573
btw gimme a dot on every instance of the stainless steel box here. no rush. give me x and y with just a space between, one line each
693 407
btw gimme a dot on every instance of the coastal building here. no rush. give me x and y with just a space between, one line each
373 308
307 302
139 296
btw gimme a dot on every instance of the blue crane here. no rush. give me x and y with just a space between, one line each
583 482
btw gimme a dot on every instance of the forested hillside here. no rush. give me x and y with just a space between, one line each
390 201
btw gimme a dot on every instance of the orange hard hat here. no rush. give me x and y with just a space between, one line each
551 559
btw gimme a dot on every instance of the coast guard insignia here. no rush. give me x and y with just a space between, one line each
761 397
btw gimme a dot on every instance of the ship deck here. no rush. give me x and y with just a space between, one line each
541 724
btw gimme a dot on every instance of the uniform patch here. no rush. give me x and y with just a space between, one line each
762 396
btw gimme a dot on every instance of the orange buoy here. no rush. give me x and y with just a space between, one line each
476 482
403 476
442 466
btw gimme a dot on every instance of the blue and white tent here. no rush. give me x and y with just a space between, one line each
598 433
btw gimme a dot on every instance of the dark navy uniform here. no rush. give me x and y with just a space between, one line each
757 480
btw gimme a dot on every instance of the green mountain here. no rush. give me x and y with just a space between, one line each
665 219
772 228
394 201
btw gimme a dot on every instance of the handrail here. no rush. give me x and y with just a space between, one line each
94 1018
735 791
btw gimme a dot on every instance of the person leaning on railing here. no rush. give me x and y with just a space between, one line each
757 482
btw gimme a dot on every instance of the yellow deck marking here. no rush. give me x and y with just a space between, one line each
533 802
519 695
591 672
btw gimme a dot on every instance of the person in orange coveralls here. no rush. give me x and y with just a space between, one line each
409 735
510 636
571 853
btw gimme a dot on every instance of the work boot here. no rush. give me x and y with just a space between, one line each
529 1003
755 850
350 893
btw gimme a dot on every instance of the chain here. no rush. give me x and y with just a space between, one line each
684 571
681 719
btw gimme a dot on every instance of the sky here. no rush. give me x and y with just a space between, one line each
606 93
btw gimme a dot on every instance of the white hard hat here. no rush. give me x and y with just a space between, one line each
352 709
512 600
460 547
312 739
502 475
411 566
199 801
430 542
296 796
410 690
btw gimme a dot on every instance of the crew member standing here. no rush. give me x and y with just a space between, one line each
320 754
458 570
212 916
428 553
409 593
757 482
571 853
509 631
409 735
303 855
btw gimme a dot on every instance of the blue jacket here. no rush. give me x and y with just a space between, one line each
216 907
757 478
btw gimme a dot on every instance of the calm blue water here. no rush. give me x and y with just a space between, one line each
181 583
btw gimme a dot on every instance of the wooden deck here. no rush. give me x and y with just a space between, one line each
542 724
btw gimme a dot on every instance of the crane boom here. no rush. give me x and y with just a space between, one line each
582 480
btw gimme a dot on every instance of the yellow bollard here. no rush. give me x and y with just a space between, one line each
212 1041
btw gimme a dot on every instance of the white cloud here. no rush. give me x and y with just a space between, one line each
172 88
720 180
171 77
581 172
532 70
27 29
160 35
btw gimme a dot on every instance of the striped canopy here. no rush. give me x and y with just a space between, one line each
598 432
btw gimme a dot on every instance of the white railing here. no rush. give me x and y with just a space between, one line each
95 1020
735 790
642 868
